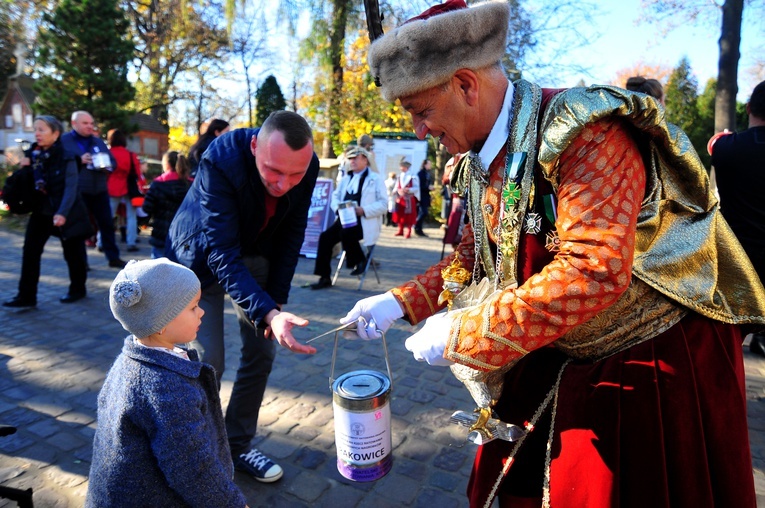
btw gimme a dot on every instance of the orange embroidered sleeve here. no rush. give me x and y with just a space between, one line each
601 186
420 295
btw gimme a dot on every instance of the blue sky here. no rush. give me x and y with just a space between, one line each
624 43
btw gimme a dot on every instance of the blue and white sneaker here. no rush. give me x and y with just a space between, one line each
258 466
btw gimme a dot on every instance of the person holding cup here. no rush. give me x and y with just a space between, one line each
94 169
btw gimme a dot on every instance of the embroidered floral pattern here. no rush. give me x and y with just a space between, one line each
602 182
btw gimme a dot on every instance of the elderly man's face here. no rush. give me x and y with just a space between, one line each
441 113
83 125
280 167
358 163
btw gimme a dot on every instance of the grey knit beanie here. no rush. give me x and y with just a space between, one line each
146 295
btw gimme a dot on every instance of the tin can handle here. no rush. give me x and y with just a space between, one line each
334 356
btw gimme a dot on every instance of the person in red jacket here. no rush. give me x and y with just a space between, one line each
117 183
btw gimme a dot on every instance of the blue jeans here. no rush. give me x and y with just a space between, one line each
130 214
255 362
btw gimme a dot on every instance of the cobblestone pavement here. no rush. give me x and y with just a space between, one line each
53 361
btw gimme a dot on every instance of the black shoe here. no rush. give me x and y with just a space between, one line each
117 263
72 297
19 303
358 270
324 282
132 248
420 233
757 346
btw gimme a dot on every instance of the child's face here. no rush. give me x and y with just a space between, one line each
185 326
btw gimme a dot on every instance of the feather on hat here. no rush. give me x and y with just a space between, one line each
427 50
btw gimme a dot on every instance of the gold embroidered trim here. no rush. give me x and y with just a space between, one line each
426 295
639 314
486 332
402 298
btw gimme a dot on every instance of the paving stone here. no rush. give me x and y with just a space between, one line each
66 441
305 433
311 459
308 487
445 481
45 428
339 496
429 498
401 407
14 443
416 449
421 397
449 460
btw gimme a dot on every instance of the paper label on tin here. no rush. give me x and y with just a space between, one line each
362 438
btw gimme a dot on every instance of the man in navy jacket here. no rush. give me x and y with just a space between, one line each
240 229
92 181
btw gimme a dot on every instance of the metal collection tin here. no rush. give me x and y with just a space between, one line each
361 403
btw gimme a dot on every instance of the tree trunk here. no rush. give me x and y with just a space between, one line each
727 67
337 50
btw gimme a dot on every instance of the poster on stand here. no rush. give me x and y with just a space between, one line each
320 217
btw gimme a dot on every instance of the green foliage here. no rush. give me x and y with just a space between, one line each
269 98
705 126
83 57
682 106
9 37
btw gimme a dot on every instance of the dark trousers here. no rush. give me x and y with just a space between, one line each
98 205
39 229
422 212
349 237
255 362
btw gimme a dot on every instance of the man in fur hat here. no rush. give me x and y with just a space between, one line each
612 287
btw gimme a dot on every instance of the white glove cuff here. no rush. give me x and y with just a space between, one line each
390 307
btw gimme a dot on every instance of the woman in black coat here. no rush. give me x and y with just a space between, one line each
58 212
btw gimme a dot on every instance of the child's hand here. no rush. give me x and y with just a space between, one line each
281 324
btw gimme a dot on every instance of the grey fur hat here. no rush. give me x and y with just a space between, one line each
423 53
146 295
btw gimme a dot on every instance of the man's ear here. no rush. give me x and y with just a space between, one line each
466 81
253 144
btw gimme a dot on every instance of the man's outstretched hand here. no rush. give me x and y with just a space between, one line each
280 326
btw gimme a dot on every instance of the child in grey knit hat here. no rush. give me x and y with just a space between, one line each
160 440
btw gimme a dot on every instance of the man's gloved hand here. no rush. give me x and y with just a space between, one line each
429 344
374 314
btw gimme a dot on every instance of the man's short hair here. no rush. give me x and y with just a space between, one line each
757 101
78 113
297 133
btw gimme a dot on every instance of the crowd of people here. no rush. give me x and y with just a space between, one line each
605 278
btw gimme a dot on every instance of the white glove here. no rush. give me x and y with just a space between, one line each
429 344
374 314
